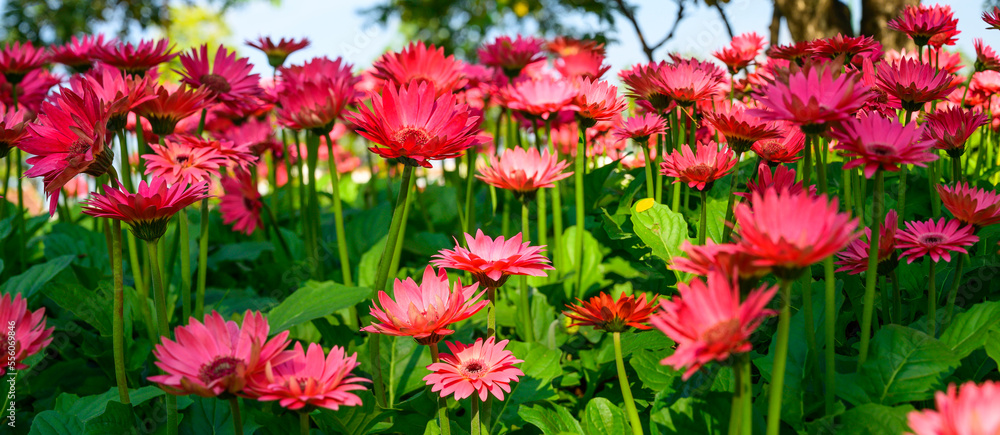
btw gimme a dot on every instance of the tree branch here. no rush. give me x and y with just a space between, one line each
725 20
629 14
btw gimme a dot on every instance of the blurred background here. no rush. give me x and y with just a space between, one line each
360 30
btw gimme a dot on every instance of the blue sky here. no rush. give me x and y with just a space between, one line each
337 29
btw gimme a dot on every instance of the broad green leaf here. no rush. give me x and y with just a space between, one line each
425 244
89 407
314 300
993 345
91 306
365 228
529 388
969 330
117 418
874 419
353 419
602 417
540 362
407 362
702 414
55 423
652 340
368 266
905 365
6 226
36 276
593 255
660 228
245 251
213 416
88 248
654 376
552 420
716 218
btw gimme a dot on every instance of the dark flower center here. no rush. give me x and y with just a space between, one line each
182 160
931 239
219 368
412 136
721 331
215 82
881 150
473 369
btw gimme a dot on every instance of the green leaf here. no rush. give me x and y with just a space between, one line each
969 329
645 340
593 255
604 418
701 414
716 219
246 251
551 421
993 345
654 376
353 419
661 229
213 416
905 365
117 418
88 248
368 266
540 362
91 306
874 419
407 362
314 300
36 277
89 407
55 423
539 366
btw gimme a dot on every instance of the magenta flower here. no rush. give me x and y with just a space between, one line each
228 78
310 379
950 128
491 262
524 171
922 23
854 258
29 333
482 368
512 55
913 83
967 410
699 168
874 143
813 98
639 128
937 239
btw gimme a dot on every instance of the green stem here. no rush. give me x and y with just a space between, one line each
897 299
277 230
932 181
736 406
746 393
727 229
443 422
808 321
830 334
303 423
338 217
953 293
525 305
780 359
491 312
476 427
312 154
807 162
703 224
199 307
650 182
118 321
543 212
397 253
21 261
382 277
557 210
470 170
160 301
871 273
182 224
956 170
234 407
140 287
630 409
932 300
126 166
819 149
581 152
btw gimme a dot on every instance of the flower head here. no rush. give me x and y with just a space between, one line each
241 204
992 17
790 232
986 58
29 333
950 128
483 367
412 125
147 211
785 149
709 322
177 161
135 59
968 410
741 51
937 239
218 358
874 142
419 63
491 262
512 55
426 311
794 52
853 48
585 64
971 206
226 76
740 129
728 258
12 128
782 179
643 84
813 98
17 60
310 379
565 46
169 108
524 171
597 101
639 128
922 22
913 82
603 312
854 258
688 82
540 98
699 168
120 94
78 53
278 52
314 106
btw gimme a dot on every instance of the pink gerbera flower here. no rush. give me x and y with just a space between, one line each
12 128
639 128
950 128
565 46
922 22
147 211
512 55
413 126
278 52
643 84
874 143
314 106
78 53
68 138
853 48
971 206
913 82
741 51
540 98
310 379
241 204
120 94
971 410
986 58
785 149
425 312
177 161
524 171
218 358
689 82
135 59
491 262
813 98
227 77
699 168
782 179
741 129
585 64
937 239
854 258
791 232
794 52
729 258
484 367
169 108
709 322
17 60
419 63
29 333
597 101
992 17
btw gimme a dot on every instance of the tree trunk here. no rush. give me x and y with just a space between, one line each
874 16
811 19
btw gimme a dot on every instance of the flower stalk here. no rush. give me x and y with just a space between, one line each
871 275
633 415
780 360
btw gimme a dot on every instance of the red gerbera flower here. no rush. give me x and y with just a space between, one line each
853 48
986 58
937 239
177 161
914 83
135 59
512 55
308 379
169 108
921 23
969 410
603 312
639 128
813 98
277 53
314 105
68 138
419 63
11 128
728 258
644 86
790 232
78 53
565 46
785 149
491 262
413 126
483 367
854 258
971 206
992 17
120 94
950 128
699 168
241 204
227 77
524 171
597 101
781 180
794 52
18 60
741 129
585 64
147 211
688 82
25 328
875 142
943 60
540 98
741 51
32 90
709 322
